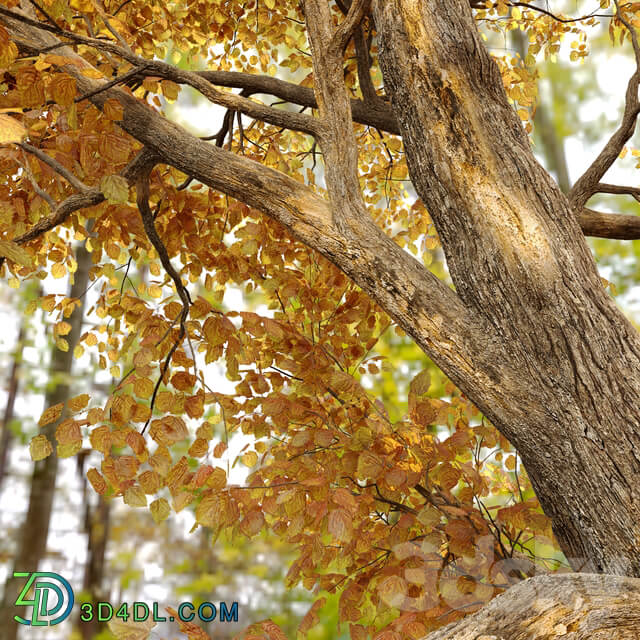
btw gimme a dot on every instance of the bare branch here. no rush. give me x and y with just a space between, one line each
357 11
122 79
277 117
609 225
36 187
112 30
618 190
147 161
485 4
586 185
378 114
338 143
363 61
56 166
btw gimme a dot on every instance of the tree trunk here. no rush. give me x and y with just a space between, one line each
14 375
571 368
97 529
32 541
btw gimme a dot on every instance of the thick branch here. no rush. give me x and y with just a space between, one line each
378 114
354 17
338 143
609 225
576 606
422 305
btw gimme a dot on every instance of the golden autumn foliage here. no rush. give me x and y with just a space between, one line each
415 521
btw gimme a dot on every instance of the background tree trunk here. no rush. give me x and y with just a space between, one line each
32 541
14 377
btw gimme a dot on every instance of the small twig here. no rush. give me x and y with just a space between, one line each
618 190
36 187
142 187
121 7
112 83
113 31
56 166
43 12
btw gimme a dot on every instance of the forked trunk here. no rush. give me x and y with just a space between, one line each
569 375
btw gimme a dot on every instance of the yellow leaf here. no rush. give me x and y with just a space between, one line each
63 89
113 109
51 414
15 252
91 340
250 458
252 523
58 271
160 510
62 328
199 448
11 130
135 497
78 403
40 448
217 479
68 432
143 387
90 72
97 481
339 524
115 189
130 630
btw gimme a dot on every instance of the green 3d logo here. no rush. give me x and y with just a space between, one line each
50 594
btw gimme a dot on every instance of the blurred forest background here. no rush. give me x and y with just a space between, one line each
112 552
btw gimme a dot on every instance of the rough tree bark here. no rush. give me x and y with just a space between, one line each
530 335
517 257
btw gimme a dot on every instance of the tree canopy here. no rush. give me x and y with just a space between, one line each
356 147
